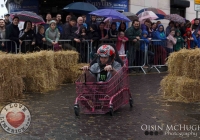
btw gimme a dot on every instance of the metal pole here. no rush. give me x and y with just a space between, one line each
196 14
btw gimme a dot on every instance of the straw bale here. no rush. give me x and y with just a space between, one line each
65 59
11 65
39 62
70 75
44 81
13 88
180 88
176 60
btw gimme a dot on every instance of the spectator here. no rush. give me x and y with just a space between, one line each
157 23
83 33
188 38
79 24
160 52
182 28
68 17
177 26
12 33
69 33
92 21
2 34
146 25
103 33
121 42
59 24
133 34
6 19
52 35
168 29
112 33
195 42
69 30
84 21
27 34
171 41
48 19
107 25
180 41
40 39
122 27
196 25
144 47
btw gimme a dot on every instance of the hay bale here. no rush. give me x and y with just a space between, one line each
39 62
70 75
43 82
191 64
175 62
180 88
65 59
11 65
13 88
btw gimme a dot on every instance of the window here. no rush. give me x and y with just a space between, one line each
179 11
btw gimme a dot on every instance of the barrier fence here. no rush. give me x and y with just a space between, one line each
140 54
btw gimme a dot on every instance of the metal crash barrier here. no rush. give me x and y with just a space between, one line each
9 46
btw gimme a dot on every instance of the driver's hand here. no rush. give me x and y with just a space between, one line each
84 68
108 68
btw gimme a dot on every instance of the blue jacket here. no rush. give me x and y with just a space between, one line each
144 41
196 41
160 36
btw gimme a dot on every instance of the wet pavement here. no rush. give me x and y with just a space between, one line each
52 116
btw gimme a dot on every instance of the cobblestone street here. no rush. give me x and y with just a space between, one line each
52 116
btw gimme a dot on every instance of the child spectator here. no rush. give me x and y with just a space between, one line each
52 35
82 33
121 41
144 47
188 38
112 33
171 41
196 41
180 41
40 39
160 52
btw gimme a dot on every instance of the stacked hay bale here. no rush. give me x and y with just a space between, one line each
66 62
36 72
183 81
11 72
41 76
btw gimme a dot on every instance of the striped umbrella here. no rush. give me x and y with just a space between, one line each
147 15
157 11
175 18
27 15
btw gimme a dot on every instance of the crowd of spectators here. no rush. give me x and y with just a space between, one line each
138 35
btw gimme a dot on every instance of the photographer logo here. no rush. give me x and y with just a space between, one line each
15 118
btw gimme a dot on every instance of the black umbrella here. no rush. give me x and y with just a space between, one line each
26 15
80 7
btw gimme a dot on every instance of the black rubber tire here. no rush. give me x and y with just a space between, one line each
111 112
131 102
76 111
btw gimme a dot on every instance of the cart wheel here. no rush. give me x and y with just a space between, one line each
76 110
111 111
131 102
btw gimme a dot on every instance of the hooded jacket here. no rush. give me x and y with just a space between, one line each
180 41
160 36
187 37
145 41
